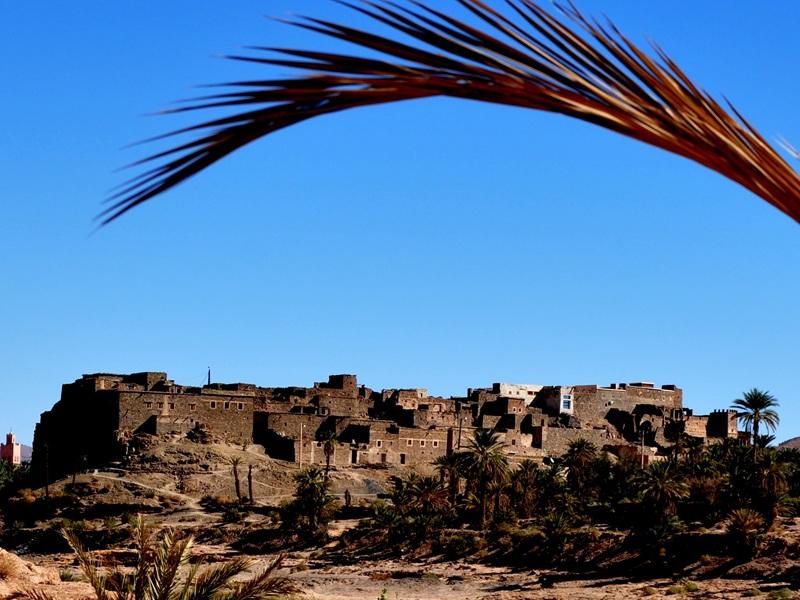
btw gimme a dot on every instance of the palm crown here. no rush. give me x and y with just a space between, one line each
755 408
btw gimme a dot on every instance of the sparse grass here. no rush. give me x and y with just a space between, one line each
781 594
649 591
675 590
9 568
752 592
69 575
300 566
428 576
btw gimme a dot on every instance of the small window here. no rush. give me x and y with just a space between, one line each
241 406
435 443
513 442
193 407
148 405
409 442
213 405
402 458
566 405
227 405
172 406
422 443
160 405
379 443
567 396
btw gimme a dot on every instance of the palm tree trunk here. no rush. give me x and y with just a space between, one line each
236 483
483 506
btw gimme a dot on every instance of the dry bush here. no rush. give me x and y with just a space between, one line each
9 568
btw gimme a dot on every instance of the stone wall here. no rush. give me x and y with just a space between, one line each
227 415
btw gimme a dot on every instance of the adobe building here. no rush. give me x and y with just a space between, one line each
99 413
11 451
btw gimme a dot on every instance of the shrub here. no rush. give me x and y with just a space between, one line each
675 589
782 594
232 515
752 592
460 545
649 591
745 528
691 586
9 567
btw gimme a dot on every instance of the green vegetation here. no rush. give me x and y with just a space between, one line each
587 502
162 574
312 507
756 408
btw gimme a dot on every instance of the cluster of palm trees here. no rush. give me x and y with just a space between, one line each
745 487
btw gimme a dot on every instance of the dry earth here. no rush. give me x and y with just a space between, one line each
394 580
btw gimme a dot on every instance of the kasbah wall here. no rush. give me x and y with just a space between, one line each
99 413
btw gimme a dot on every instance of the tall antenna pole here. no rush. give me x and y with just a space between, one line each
209 375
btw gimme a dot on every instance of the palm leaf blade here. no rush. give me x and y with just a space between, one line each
530 58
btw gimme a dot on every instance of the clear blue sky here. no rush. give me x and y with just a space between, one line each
437 243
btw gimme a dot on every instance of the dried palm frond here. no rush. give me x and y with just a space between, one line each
526 57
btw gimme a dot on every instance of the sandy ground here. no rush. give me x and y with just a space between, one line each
399 580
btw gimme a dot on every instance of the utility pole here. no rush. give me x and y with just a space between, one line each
301 444
641 433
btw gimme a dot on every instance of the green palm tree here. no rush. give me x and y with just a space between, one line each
427 495
757 408
771 479
163 573
312 500
578 460
485 462
525 484
661 486
449 467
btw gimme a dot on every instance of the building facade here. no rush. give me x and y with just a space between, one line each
11 451
343 423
